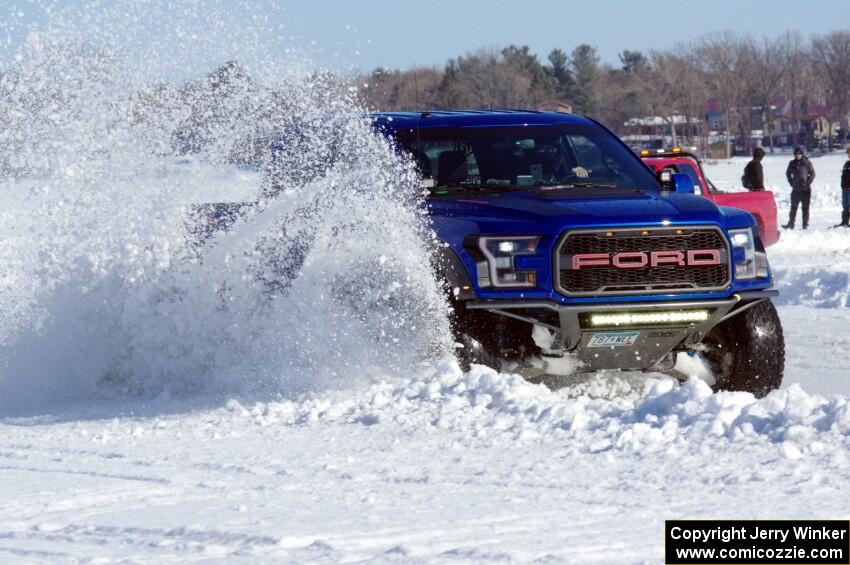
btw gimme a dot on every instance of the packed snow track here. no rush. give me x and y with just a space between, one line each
434 465
165 404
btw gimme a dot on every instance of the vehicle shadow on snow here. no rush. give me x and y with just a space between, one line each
813 286
129 407
617 386
610 385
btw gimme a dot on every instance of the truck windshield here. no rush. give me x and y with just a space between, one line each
537 157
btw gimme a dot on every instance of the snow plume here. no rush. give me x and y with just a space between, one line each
105 290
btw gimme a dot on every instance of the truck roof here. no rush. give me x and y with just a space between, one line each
397 121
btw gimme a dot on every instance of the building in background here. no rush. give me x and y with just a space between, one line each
655 132
781 126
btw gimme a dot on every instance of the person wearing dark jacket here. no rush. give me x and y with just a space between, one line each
845 193
753 173
800 174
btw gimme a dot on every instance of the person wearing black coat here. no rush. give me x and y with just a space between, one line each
845 193
800 174
753 178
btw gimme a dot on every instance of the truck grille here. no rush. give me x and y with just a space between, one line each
598 276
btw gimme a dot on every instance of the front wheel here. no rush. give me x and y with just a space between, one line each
747 352
489 339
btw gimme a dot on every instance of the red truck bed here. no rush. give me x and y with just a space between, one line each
761 204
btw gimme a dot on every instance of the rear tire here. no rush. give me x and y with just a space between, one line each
747 352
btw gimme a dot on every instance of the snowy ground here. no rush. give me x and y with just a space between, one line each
440 466
812 270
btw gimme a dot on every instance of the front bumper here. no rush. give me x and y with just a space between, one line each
624 345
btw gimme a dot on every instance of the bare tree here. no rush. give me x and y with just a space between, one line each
620 96
693 92
669 86
796 80
831 55
484 79
412 89
725 60
749 113
766 72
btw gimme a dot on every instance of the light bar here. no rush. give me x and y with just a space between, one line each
646 318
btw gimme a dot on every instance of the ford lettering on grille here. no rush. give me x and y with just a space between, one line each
651 259
642 260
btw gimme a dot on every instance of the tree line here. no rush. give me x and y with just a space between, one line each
743 75
744 78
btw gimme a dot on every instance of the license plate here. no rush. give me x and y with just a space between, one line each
619 339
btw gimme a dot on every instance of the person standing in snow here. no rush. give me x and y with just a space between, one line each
845 193
800 174
753 178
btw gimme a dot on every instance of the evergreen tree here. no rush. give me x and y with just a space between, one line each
448 92
559 70
633 62
585 65
523 59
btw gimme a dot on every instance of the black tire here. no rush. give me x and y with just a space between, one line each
489 339
747 352
474 333
474 352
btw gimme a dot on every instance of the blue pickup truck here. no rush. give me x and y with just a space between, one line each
558 241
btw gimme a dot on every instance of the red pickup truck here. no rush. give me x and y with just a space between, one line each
761 204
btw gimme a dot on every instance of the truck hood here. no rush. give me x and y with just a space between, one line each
551 211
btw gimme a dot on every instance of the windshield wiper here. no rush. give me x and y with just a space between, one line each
576 185
476 187
500 188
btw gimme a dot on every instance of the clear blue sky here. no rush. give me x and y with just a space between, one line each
364 34
399 34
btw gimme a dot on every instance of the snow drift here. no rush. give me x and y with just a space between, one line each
488 404
811 267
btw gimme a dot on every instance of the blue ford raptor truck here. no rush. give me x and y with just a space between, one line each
557 241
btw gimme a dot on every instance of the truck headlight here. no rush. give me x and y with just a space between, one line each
500 254
749 263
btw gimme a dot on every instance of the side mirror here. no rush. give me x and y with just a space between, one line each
682 183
